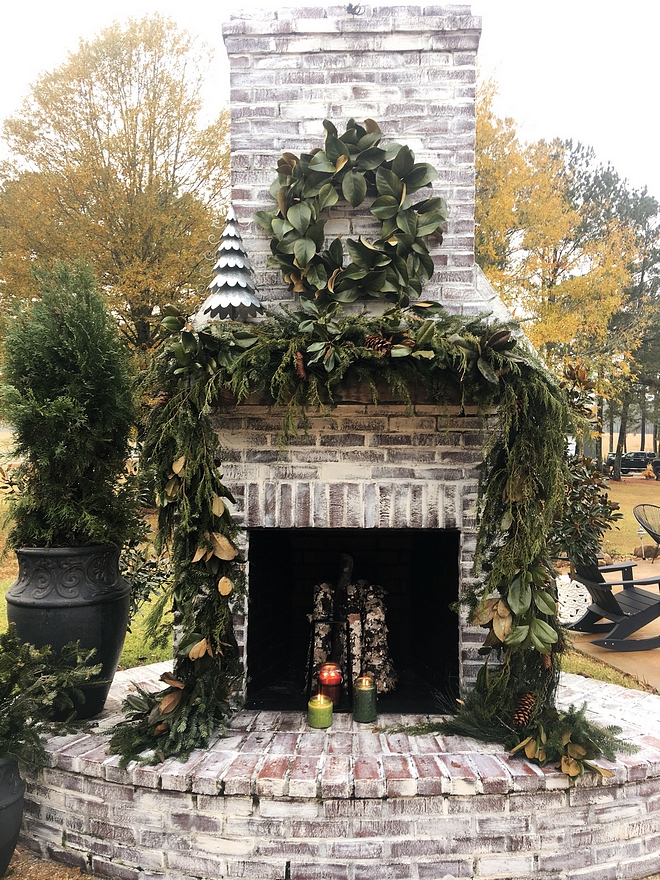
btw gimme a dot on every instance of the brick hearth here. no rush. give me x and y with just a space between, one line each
275 800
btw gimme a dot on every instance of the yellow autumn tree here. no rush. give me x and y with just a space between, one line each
501 172
110 162
553 241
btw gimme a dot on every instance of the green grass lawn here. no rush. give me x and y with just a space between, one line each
621 541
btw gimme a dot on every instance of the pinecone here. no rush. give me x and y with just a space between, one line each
547 661
523 713
378 342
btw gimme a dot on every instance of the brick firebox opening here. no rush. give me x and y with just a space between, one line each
419 569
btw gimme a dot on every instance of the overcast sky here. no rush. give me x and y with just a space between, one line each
584 69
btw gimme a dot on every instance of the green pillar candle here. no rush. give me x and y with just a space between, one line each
319 711
364 699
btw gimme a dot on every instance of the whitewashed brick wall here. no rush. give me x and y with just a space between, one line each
411 68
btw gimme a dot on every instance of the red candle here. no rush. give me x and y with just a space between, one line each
330 682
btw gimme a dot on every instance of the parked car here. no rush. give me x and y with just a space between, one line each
636 461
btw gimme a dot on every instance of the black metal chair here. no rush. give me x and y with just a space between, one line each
648 516
626 611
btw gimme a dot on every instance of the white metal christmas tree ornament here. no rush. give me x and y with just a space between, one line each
233 295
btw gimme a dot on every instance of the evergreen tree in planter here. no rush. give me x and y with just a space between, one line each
68 396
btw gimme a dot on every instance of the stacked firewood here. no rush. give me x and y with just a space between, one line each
355 611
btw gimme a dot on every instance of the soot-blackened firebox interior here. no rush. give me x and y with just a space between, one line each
417 568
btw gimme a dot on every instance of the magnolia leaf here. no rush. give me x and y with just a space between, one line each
173 324
170 680
403 162
304 250
335 148
200 553
502 626
354 188
517 635
571 767
607 774
370 159
225 586
169 702
541 646
137 703
222 547
385 207
218 506
172 487
484 613
544 631
321 162
163 727
530 748
428 355
388 184
282 200
200 649
487 371
398 351
420 175
299 216
541 755
521 745
575 750
179 464
502 609
426 332
544 602
327 196
519 596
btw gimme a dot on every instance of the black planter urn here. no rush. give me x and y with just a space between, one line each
68 594
12 789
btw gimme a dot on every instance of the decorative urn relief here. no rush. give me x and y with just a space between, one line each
66 594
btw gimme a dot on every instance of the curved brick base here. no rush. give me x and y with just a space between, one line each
274 799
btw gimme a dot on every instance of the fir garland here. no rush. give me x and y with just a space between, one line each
302 360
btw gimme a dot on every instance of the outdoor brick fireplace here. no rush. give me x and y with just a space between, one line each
271 798
381 469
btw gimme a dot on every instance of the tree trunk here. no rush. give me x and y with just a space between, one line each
642 407
599 435
623 427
